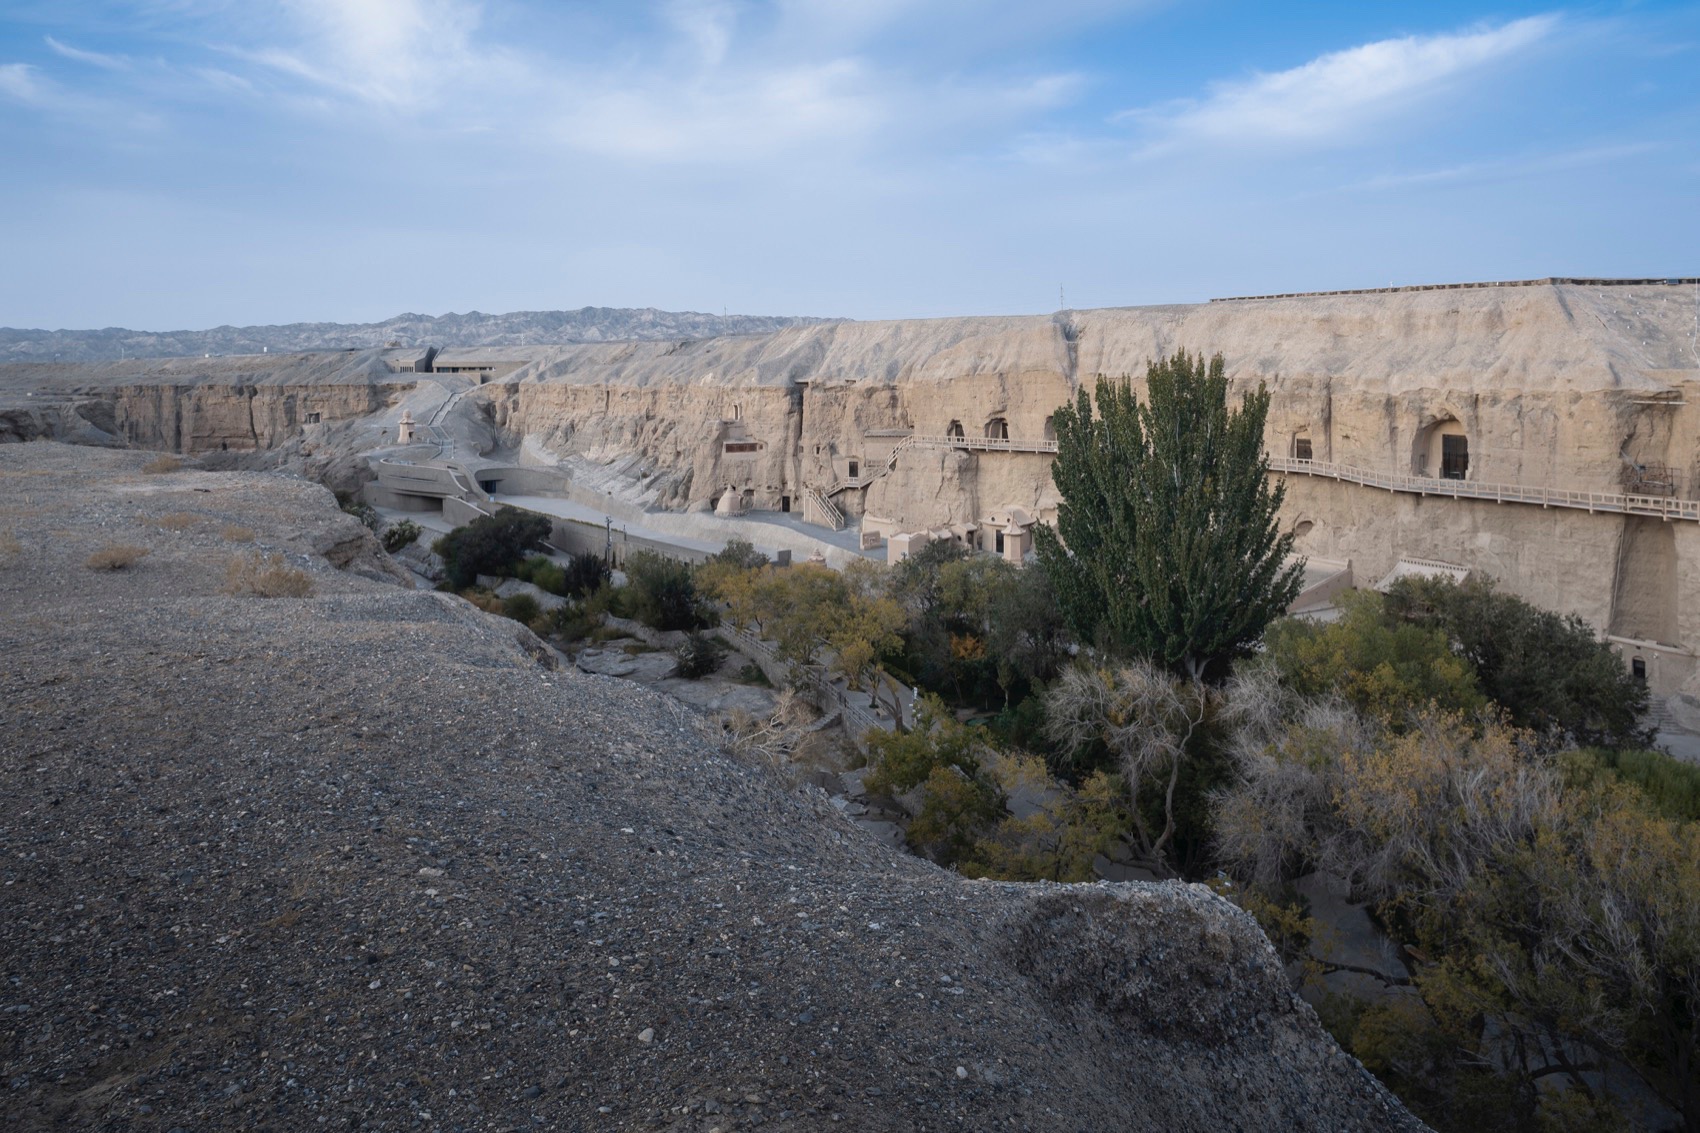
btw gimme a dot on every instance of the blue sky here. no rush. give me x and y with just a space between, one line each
186 163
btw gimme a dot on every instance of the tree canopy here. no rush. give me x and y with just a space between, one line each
1167 545
490 544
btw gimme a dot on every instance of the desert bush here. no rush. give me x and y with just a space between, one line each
960 802
399 535
779 740
235 534
116 556
1669 785
522 608
699 655
541 571
10 549
739 554
177 521
490 544
572 623
266 576
663 595
751 674
1391 670
584 573
360 510
1063 833
164 462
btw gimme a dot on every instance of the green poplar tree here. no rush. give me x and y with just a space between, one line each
1169 546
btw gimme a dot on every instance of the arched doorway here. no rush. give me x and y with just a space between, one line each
1443 451
955 430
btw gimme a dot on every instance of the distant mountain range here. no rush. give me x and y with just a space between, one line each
519 328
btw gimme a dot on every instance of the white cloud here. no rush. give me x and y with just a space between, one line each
403 54
1335 95
707 25
93 58
18 81
25 84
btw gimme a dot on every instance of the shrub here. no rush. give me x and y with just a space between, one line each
740 554
490 544
116 556
1670 785
541 571
585 573
399 535
1385 669
266 576
1550 673
162 463
663 595
521 608
699 656
236 534
10 548
177 521
572 623
751 674
360 510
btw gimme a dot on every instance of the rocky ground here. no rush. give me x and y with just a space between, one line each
368 859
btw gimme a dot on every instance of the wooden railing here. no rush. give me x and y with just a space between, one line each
1664 507
982 444
828 511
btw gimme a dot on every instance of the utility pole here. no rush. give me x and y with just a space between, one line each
1062 299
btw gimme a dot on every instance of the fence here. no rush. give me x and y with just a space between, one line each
1663 507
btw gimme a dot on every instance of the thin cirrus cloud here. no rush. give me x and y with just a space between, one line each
403 55
1332 97
18 82
713 81
92 58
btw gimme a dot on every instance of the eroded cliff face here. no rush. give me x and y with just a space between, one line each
206 416
1570 387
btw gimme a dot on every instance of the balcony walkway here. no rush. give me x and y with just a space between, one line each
1662 507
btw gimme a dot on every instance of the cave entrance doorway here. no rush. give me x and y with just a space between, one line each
784 503
997 429
1454 457
1442 450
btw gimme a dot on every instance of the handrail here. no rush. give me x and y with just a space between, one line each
1664 507
987 444
982 444
834 517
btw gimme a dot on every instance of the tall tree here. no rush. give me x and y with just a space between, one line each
1167 545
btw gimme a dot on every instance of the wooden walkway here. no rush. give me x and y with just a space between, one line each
1661 507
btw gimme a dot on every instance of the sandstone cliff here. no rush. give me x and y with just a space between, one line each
1578 387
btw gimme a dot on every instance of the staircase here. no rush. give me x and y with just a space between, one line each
819 509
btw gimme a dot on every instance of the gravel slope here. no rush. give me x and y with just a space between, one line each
365 860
